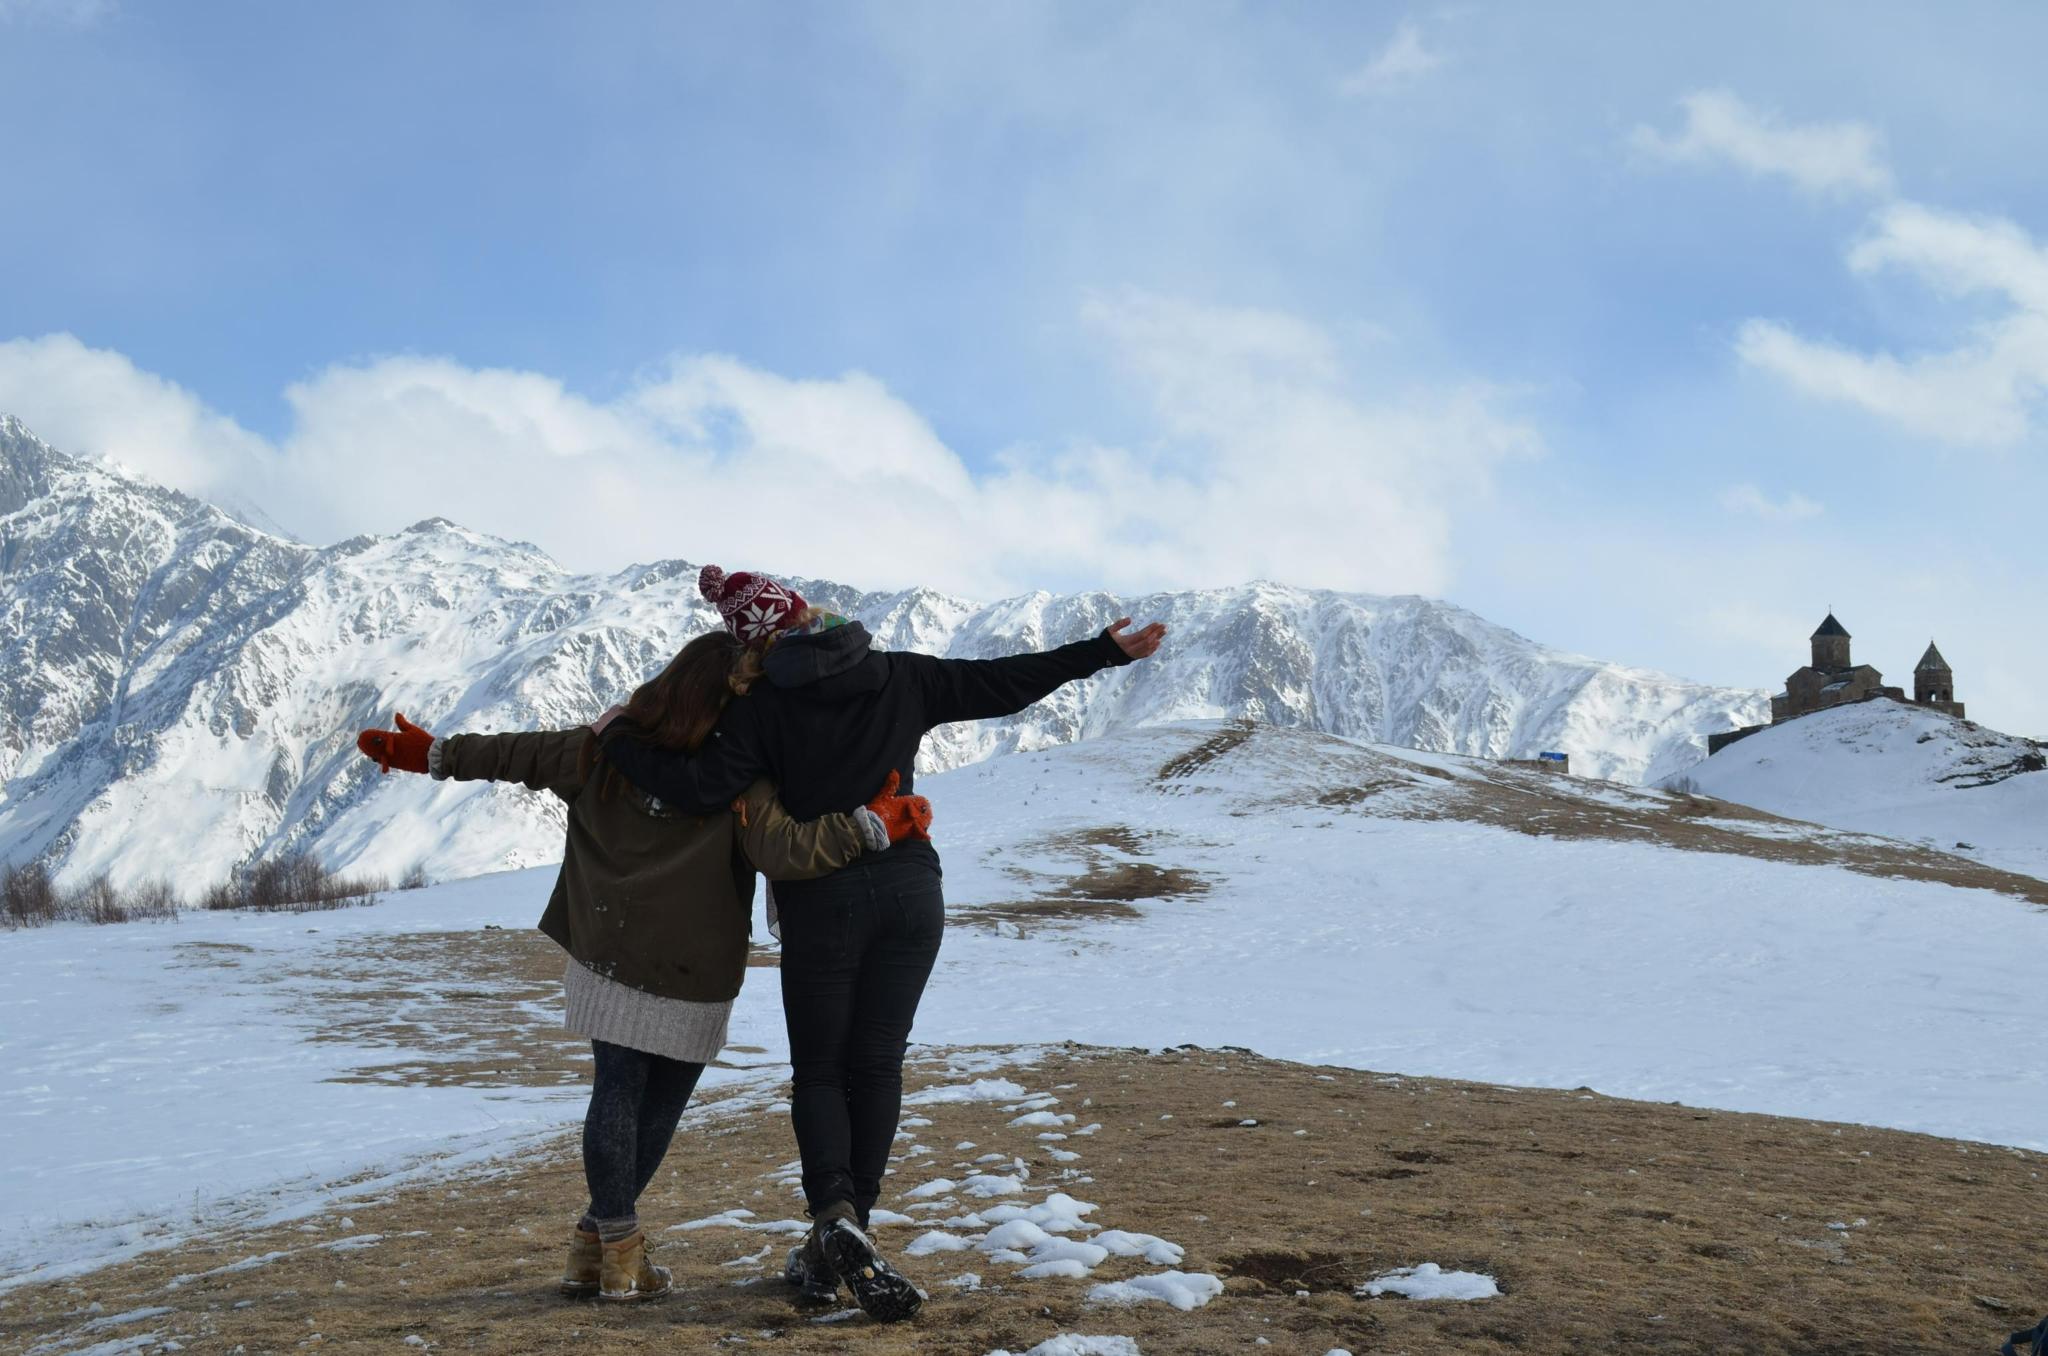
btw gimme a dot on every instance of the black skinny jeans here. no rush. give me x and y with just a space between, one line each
857 948
635 1101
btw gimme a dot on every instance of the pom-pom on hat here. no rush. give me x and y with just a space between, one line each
754 606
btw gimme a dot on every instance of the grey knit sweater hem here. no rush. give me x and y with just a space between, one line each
618 1014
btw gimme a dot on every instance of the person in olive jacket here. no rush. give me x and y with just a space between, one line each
832 717
653 906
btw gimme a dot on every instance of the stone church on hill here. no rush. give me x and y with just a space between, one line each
1834 679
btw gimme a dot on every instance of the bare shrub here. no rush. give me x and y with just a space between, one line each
95 901
28 897
415 879
153 900
294 883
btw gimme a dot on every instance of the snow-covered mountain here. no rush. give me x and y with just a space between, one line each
1902 771
179 690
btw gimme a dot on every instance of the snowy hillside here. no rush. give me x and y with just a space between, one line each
1898 770
1301 895
179 691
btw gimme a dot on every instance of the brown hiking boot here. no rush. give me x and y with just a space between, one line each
586 1265
626 1275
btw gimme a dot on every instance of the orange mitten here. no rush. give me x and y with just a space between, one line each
904 816
404 748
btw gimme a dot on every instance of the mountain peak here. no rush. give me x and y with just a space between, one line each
26 464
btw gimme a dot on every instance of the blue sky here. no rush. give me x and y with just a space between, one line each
1648 332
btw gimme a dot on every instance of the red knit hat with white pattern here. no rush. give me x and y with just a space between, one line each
754 606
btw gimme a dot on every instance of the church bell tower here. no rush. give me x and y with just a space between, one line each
1831 646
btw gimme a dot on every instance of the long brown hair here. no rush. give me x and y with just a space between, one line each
677 708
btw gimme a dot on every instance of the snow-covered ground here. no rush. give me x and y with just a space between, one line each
150 1095
1902 771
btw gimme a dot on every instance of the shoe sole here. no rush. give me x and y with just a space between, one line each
668 1286
577 1289
635 1296
807 1289
883 1293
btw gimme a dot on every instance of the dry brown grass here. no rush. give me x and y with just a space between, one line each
1114 874
1218 745
1536 803
1612 1226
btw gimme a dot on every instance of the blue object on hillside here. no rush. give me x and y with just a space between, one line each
1554 757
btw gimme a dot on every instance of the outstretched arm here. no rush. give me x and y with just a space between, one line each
981 689
540 760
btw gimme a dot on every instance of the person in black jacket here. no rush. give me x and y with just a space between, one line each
830 723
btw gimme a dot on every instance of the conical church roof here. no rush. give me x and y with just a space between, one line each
1932 662
1831 627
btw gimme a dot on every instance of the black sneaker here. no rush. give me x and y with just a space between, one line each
809 1274
885 1293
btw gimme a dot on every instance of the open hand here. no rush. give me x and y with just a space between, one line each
1137 644
404 748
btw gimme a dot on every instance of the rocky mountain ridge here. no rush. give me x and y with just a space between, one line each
179 690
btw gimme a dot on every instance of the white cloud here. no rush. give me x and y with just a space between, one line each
98 399
1268 462
1753 501
1399 65
1831 157
1984 391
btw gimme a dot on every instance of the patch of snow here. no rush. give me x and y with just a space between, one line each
938 1186
1183 1290
1431 1282
1157 1251
1076 1345
980 1090
989 1185
1040 1118
925 1244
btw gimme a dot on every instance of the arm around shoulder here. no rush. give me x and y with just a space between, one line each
781 848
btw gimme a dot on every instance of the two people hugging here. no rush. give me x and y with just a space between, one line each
784 745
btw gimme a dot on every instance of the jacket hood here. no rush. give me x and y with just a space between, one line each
830 661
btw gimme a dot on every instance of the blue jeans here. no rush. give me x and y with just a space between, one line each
857 949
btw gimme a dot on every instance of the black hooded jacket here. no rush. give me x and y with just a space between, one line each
836 716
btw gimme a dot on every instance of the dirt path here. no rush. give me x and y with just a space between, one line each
1611 1227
